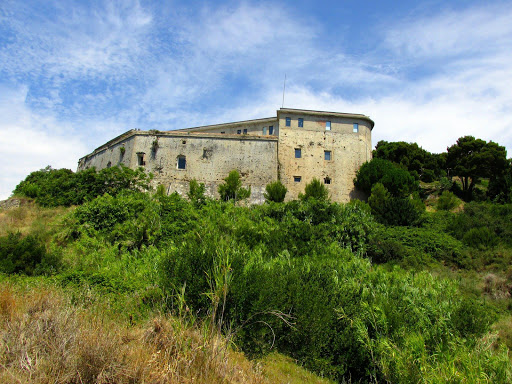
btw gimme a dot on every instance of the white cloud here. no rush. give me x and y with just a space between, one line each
475 30
74 41
30 141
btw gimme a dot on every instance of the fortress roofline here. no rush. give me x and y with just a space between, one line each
327 113
225 125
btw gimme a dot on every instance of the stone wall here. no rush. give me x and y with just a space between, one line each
347 152
209 159
12 203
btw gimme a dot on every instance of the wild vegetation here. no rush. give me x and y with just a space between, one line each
155 288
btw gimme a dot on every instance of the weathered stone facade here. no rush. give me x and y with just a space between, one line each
295 147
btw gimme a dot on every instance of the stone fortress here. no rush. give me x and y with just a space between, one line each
294 147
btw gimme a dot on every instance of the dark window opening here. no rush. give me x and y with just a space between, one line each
301 122
288 121
298 153
182 162
271 130
184 142
327 180
327 155
245 131
223 132
239 132
296 179
109 164
140 159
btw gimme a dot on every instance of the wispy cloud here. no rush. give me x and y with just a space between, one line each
75 75
475 31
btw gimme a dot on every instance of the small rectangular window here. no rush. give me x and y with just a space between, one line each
238 131
301 122
271 130
223 132
182 162
356 128
288 121
245 131
298 153
327 155
327 125
264 130
327 180
140 159
296 179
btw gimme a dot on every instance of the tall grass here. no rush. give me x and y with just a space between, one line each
44 338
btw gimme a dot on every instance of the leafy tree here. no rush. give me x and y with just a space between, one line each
196 193
500 186
232 188
315 190
427 166
378 198
397 181
472 159
275 191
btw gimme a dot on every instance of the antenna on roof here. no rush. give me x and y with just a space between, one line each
284 88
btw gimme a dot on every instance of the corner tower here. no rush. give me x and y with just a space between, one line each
329 146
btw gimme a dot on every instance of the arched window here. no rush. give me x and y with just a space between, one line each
182 162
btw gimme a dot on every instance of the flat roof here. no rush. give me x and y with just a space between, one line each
234 123
327 113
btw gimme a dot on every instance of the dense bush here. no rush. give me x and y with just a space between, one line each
496 219
414 246
447 201
392 210
26 255
61 187
275 192
315 190
196 193
396 180
232 188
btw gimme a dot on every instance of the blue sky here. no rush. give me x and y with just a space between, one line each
74 74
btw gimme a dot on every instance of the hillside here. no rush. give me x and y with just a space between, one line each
206 291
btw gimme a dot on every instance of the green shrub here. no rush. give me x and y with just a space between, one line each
315 190
26 255
415 245
481 237
232 188
196 193
496 218
400 211
447 201
275 191
61 187
386 250
472 318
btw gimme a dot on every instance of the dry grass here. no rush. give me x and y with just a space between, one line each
29 218
278 368
44 339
